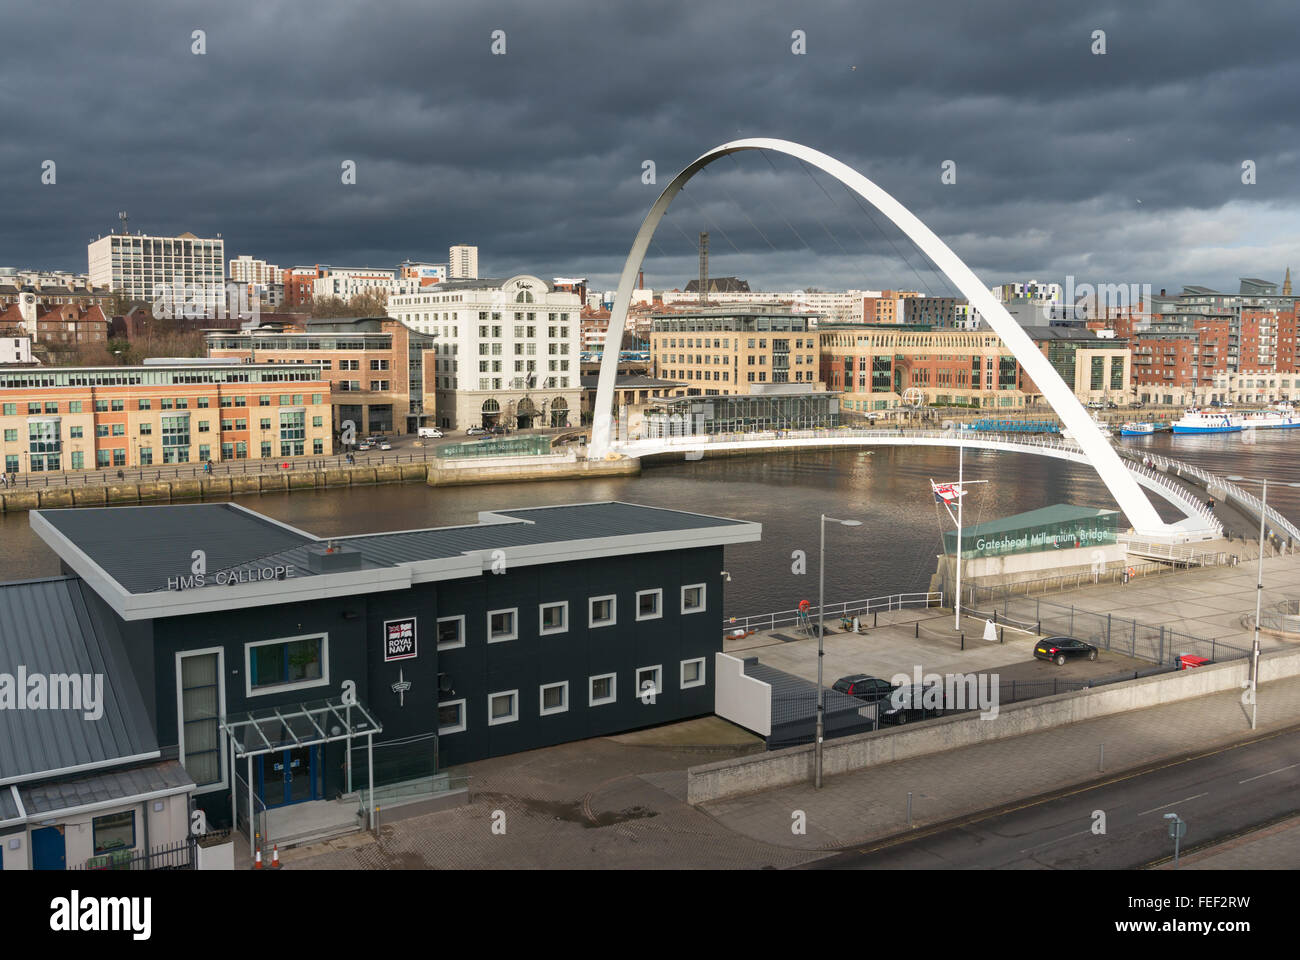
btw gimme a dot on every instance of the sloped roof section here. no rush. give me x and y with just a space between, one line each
92 714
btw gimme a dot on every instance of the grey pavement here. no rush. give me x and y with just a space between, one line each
609 804
1272 848
871 804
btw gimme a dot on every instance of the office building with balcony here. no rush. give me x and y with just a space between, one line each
508 351
379 369
190 411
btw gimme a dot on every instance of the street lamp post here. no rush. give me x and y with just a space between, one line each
821 632
1259 593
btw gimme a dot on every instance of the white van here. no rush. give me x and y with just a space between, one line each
432 433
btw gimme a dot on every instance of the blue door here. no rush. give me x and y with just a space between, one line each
48 851
289 776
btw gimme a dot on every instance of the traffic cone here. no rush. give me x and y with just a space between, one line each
257 863
275 856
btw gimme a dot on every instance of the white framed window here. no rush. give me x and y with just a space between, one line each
554 698
602 689
602 611
693 673
451 717
693 598
451 632
503 624
503 707
286 663
649 680
649 604
200 708
553 618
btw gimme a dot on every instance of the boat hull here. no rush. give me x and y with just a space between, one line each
1230 429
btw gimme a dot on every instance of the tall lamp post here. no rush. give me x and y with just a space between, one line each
1259 591
821 631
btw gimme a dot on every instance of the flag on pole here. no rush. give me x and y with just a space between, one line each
946 493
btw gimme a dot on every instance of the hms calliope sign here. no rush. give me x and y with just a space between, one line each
224 578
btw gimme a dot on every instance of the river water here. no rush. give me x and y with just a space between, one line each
887 489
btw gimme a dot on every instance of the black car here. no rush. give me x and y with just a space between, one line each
870 689
911 702
1061 649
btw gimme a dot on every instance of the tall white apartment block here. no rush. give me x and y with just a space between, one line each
507 351
245 269
462 262
141 266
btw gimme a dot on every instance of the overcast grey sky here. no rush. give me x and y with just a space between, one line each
1122 167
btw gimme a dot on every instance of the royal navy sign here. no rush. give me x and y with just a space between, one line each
399 639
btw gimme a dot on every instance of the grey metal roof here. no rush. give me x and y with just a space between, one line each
794 698
8 805
162 538
44 799
47 627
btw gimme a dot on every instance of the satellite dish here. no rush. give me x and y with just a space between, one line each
444 684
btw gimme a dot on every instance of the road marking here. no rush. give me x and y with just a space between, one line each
1057 840
1269 774
1171 803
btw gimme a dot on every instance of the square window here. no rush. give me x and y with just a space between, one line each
503 625
693 673
554 698
649 682
602 689
285 664
693 598
554 618
451 632
649 604
503 707
451 717
114 831
602 611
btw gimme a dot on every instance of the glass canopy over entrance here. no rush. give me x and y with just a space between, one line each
289 732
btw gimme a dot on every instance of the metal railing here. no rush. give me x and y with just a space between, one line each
257 828
172 856
1189 503
425 788
1228 489
271 466
846 608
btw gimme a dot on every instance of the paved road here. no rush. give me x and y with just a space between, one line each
1222 794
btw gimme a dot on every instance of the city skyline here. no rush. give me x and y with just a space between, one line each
1092 170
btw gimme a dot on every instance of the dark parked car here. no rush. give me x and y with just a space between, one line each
1061 649
909 702
870 689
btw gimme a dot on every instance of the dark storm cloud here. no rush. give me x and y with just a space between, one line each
1125 166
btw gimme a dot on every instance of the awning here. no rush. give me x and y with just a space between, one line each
284 728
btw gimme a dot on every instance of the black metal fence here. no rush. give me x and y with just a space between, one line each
1156 644
173 856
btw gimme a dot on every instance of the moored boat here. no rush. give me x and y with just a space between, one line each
1201 421
1279 416
1137 429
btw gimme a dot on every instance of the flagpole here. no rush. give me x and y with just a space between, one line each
960 490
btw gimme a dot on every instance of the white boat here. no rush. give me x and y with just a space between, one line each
1279 416
1137 429
1203 421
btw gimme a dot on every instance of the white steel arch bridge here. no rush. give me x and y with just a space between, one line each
1093 448
1199 522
